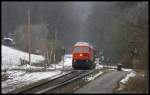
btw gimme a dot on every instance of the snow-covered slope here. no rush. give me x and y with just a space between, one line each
19 78
11 57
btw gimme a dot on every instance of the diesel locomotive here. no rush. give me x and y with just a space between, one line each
83 56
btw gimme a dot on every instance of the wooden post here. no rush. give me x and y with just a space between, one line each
63 62
29 38
54 61
47 58
45 54
51 55
55 38
63 56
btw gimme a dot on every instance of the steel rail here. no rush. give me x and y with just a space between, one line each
56 88
35 84
53 82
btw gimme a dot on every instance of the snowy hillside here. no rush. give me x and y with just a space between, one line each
18 79
11 57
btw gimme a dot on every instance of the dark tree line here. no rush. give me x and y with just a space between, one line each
57 18
119 28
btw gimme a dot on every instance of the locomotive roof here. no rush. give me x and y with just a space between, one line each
83 44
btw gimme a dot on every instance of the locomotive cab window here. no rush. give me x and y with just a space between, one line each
85 49
76 49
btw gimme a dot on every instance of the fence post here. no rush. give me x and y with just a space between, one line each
54 61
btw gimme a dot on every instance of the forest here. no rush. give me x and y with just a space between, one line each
118 30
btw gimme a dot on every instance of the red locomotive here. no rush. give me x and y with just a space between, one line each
83 56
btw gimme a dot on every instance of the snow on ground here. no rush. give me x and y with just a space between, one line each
18 79
95 76
66 62
21 78
129 70
131 74
9 39
27 66
99 66
112 67
11 57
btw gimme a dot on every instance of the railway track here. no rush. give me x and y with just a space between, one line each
51 84
71 85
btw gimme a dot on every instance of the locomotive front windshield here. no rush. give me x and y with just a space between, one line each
81 49
85 49
76 49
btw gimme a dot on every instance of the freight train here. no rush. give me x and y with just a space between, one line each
83 56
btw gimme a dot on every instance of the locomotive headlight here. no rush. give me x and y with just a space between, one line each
80 54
